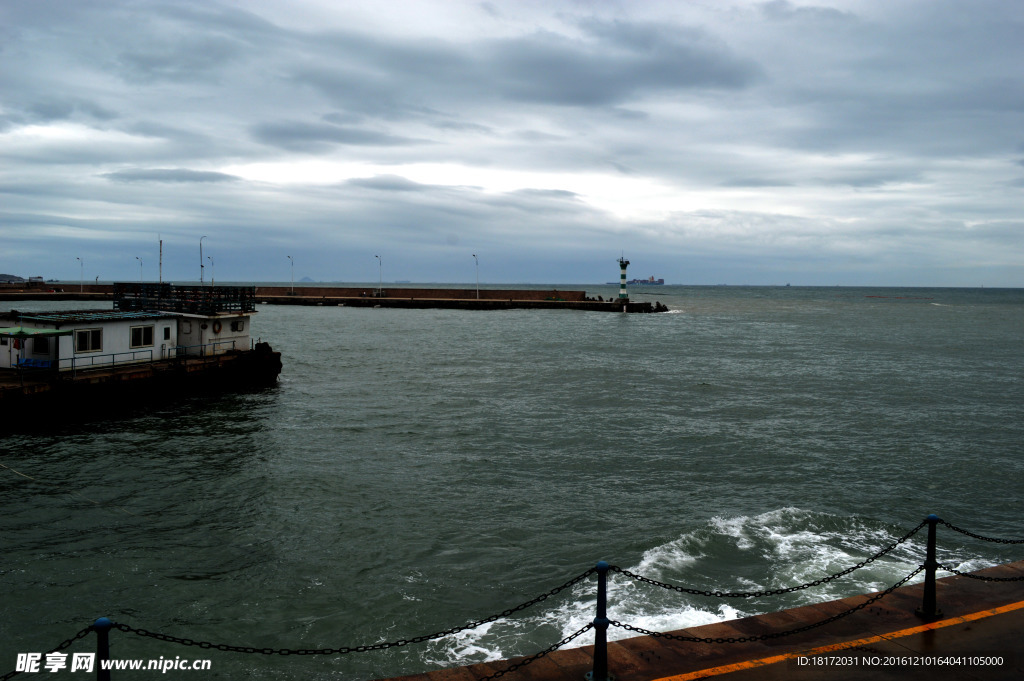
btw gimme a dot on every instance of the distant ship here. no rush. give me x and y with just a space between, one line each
650 281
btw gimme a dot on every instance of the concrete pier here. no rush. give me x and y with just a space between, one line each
372 296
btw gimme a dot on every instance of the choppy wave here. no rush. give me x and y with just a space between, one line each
774 550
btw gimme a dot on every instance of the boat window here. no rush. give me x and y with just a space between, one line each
142 336
88 340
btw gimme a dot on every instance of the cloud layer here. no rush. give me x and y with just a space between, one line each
839 142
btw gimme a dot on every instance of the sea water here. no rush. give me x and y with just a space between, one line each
414 470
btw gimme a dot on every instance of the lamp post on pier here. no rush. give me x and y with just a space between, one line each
140 268
380 276
213 272
201 265
477 261
292 260
81 275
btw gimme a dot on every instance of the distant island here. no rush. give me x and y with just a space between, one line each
15 279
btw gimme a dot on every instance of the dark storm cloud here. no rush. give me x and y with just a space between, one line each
787 11
53 109
618 62
314 137
184 41
183 60
930 78
170 133
168 175
610 65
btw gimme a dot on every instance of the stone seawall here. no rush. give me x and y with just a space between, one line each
370 296
418 293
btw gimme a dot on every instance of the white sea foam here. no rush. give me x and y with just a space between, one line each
774 550
465 647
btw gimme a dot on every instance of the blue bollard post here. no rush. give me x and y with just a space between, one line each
928 610
600 672
102 628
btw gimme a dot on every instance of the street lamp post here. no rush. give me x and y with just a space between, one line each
140 268
293 273
213 271
477 260
380 276
201 265
81 275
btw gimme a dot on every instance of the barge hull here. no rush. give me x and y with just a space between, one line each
27 393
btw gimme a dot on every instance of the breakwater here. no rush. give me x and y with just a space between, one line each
372 296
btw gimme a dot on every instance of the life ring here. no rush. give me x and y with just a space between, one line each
216 327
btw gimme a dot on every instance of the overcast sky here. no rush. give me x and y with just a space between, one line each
853 142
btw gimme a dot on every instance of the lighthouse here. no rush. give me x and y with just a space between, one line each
623 264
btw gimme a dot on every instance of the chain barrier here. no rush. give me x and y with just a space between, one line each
533 658
773 592
775 634
978 536
981 578
64 644
357 649
573 582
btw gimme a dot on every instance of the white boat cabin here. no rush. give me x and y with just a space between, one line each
83 339
149 322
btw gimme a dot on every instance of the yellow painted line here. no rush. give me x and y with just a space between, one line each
764 661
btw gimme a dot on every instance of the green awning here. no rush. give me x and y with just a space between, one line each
25 332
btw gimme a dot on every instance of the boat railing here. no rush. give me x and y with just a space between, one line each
94 362
203 349
106 361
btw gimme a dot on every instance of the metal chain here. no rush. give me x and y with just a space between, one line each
64 644
774 592
356 649
947 568
978 536
533 658
776 634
